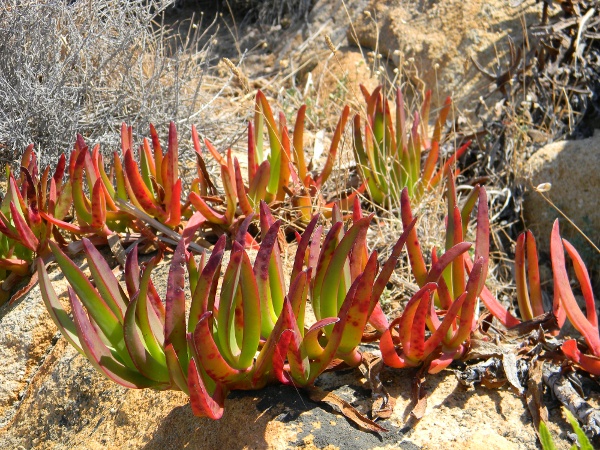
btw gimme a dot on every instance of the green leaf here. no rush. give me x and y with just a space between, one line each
584 442
546 437
55 308
96 306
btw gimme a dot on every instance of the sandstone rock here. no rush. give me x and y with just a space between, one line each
26 332
573 169
420 36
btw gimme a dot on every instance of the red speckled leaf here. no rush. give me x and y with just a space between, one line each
271 358
450 256
206 284
208 354
441 332
175 329
360 309
203 404
303 246
416 347
261 272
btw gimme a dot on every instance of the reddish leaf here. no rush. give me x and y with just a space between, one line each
209 356
203 404
210 214
590 364
26 236
139 189
175 329
567 299
335 141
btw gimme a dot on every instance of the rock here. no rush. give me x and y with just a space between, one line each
573 169
433 41
26 333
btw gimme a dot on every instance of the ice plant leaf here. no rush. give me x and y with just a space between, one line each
170 165
209 355
473 289
415 254
584 282
359 310
447 258
143 360
298 142
175 329
140 190
263 275
242 197
94 303
174 365
335 142
27 238
105 280
97 352
55 308
525 307
203 404
590 364
210 214
533 273
567 299
206 285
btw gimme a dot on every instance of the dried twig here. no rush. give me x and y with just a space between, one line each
570 398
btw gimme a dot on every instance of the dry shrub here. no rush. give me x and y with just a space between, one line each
85 66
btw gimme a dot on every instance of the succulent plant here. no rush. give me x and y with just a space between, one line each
274 176
24 234
452 284
586 324
252 334
389 155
